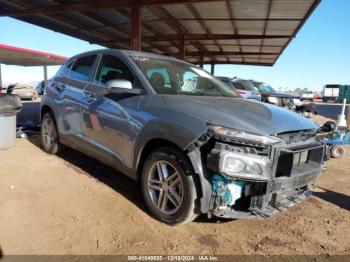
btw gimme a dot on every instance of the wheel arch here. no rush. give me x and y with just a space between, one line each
149 147
45 109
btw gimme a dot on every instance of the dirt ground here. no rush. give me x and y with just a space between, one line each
71 204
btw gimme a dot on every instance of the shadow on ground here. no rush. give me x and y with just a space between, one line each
119 182
103 173
338 199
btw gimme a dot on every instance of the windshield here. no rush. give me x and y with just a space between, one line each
177 78
262 87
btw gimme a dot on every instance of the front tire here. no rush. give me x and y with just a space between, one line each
49 135
168 187
337 151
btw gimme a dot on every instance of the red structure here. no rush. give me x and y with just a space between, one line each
11 55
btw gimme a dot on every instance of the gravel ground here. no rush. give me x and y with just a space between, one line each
71 204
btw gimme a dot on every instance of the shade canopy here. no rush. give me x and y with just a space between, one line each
200 31
12 55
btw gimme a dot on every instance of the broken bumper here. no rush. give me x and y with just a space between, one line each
281 194
285 202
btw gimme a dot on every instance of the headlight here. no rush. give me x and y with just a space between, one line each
244 136
243 166
272 100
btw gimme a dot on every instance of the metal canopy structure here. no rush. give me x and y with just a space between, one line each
253 32
11 55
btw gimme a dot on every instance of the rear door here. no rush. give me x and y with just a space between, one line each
70 89
108 120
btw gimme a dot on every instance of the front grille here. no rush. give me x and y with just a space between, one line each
299 159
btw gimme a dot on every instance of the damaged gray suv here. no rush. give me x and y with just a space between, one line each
195 146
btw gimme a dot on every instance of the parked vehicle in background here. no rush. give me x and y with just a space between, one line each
330 93
40 87
228 82
3 89
271 96
194 146
307 95
317 96
244 88
24 91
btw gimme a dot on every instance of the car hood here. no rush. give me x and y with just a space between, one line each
237 113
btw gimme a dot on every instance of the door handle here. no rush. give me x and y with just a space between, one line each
90 97
60 86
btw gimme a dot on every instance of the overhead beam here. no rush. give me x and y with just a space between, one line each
106 22
164 15
72 23
204 26
144 25
266 23
93 5
222 53
190 36
231 63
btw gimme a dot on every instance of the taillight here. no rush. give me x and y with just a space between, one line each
241 93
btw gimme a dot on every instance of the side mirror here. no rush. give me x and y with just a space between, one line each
122 87
119 83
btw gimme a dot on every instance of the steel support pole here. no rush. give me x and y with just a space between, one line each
212 69
182 48
136 28
45 76
201 61
0 77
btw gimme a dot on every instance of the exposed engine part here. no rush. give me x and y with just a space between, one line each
329 126
225 192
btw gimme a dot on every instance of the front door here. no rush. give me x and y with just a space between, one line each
109 123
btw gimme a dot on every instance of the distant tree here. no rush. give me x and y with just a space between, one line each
297 90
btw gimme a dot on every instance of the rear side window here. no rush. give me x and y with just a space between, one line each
82 67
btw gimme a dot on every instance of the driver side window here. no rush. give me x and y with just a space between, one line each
112 68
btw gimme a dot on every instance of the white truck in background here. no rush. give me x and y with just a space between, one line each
330 93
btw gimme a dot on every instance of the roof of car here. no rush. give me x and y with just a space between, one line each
127 53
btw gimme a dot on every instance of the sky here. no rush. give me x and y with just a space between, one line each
319 55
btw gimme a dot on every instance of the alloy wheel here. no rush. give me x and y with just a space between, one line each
165 187
48 132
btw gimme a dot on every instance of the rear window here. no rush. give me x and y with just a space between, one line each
245 85
82 67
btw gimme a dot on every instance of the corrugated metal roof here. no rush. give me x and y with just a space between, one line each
215 31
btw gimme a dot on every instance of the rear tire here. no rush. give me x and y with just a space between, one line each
49 135
168 186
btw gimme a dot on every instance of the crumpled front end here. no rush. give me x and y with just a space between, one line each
251 178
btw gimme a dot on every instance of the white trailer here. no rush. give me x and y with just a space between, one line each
330 93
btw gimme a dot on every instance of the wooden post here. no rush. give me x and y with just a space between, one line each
136 28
